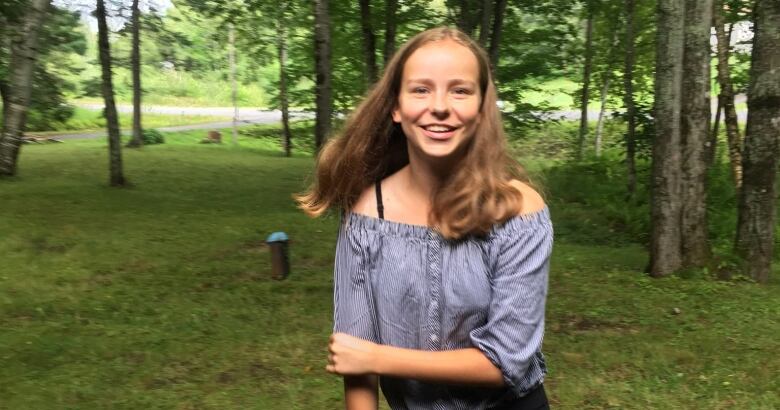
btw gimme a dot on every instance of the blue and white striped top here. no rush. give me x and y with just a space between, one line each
406 286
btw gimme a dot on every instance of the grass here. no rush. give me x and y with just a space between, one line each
159 295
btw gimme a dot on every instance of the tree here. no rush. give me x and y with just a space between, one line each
16 95
281 32
322 53
112 121
695 133
233 80
665 255
369 42
495 36
628 95
135 63
726 96
757 207
586 72
391 6
484 27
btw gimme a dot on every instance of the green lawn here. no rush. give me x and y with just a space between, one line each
159 295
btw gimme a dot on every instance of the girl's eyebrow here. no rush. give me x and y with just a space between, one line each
429 81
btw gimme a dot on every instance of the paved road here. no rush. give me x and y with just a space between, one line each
247 116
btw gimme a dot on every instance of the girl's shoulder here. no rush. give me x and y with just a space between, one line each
532 200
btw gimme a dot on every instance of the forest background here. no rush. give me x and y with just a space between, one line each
159 292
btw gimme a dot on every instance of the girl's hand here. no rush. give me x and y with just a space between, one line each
349 355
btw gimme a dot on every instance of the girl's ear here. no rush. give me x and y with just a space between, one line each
397 114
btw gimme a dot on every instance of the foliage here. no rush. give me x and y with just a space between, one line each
151 136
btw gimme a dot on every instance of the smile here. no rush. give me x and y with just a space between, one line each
439 131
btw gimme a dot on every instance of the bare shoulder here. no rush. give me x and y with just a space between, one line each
532 200
366 203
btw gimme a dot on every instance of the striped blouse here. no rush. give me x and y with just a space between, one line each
406 286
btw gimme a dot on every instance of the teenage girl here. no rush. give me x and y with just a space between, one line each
443 251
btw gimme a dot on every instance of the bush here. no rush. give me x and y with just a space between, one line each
152 136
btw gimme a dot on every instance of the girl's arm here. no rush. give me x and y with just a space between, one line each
360 392
353 356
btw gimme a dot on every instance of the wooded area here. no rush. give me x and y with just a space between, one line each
320 68
649 124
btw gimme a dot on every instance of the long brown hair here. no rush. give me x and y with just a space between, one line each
476 196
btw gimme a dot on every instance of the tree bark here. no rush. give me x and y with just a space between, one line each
607 78
281 32
628 97
135 62
600 123
484 28
757 209
726 97
665 241
391 7
585 95
112 121
324 90
369 42
233 81
16 95
468 17
695 133
495 37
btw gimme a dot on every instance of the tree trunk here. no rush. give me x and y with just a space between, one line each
665 241
324 90
484 28
757 208
16 95
468 17
726 97
281 32
135 62
695 133
390 9
600 123
112 121
605 92
233 81
369 42
628 97
585 95
495 37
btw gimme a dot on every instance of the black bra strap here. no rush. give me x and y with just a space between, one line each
380 207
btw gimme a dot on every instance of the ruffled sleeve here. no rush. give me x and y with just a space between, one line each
353 312
512 336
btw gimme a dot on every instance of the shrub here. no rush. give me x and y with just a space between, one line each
152 136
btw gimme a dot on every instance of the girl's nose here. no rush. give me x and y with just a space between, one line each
439 105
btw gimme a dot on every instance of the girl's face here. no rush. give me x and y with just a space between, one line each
439 98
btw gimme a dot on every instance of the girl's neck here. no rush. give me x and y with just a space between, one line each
423 177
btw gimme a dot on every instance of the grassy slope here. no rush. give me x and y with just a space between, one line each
158 296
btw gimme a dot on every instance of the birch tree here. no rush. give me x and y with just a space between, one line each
16 94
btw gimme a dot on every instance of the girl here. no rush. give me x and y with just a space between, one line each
443 253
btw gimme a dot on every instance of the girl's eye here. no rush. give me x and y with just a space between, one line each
462 91
419 90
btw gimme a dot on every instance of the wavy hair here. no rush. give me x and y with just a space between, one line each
474 197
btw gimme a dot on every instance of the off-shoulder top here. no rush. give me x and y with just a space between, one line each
404 285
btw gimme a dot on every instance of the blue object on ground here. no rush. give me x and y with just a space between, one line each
277 237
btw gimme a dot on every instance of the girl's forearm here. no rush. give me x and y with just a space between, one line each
462 366
360 392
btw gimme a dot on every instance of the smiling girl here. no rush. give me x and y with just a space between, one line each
443 251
